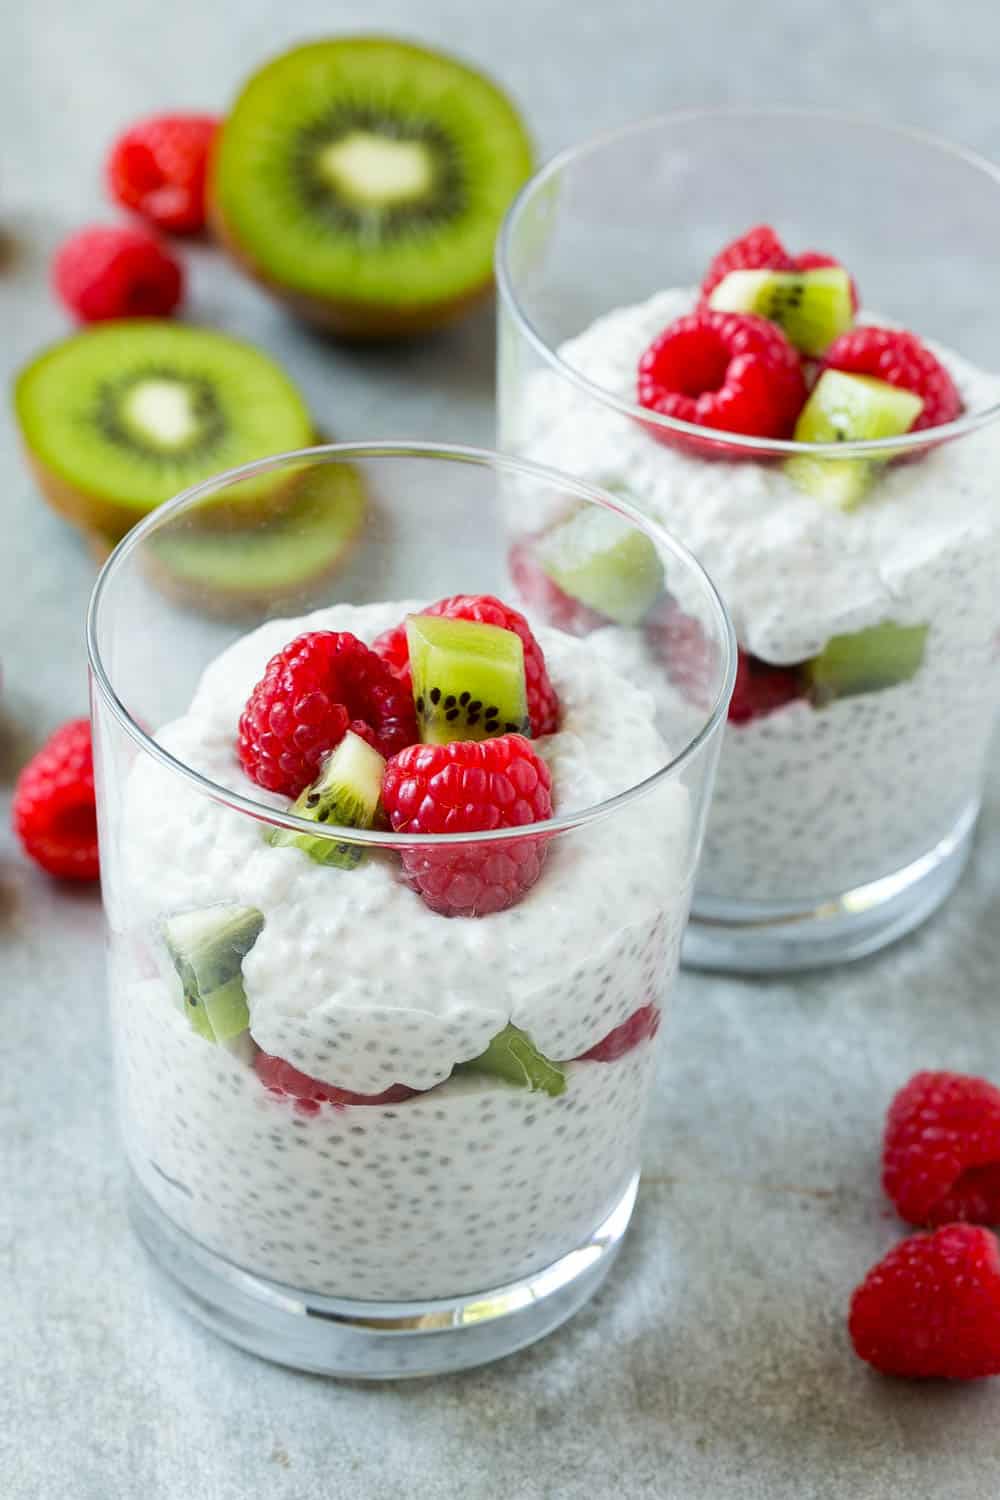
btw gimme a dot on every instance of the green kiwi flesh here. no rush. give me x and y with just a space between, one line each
847 408
123 415
512 1056
468 680
207 948
345 795
866 661
602 560
311 534
813 307
364 180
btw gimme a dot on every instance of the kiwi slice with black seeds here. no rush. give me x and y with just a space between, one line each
513 1056
468 679
207 948
604 562
346 794
848 408
813 307
363 180
124 415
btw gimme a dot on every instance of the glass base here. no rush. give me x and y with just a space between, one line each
755 938
374 1340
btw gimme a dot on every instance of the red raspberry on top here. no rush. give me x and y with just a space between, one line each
760 688
310 1094
486 609
102 273
158 168
470 786
319 686
931 1307
941 1155
901 359
640 1026
757 250
731 371
55 815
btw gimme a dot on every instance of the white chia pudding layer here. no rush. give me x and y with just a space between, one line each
810 802
355 982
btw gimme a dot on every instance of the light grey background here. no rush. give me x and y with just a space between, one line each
715 1363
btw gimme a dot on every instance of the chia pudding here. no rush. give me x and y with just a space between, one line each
815 794
459 1179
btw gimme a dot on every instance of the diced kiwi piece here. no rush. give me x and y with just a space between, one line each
363 181
813 307
207 948
513 1056
124 415
345 795
468 679
843 409
284 558
866 661
602 560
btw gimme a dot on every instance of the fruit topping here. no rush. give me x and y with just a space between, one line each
208 948
902 360
941 1154
931 1307
601 560
543 705
158 169
468 679
865 661
812 307
118 418
761 250
463 787
363 180
54 812
310 1094
731 371
641 1026
848 408
346 794
544 597
102 273
513 1056
761 688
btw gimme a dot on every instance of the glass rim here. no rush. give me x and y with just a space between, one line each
738 442
712 719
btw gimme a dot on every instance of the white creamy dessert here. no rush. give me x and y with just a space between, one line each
810 802
355 982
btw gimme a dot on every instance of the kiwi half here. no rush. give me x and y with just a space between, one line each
363 181
347 794
208 948
513 1056
605 563
813 307
281 560
124 415
848 408
468 680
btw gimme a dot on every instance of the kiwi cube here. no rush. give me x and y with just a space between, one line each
847 408
812 307
207 948
513 1056
601 559
866 661
468 679
345 795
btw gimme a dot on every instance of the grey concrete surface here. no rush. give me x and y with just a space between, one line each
714 1364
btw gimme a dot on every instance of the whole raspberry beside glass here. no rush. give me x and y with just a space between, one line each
55 815
941 1155
158 168
119 272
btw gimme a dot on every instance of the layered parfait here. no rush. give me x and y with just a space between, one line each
399 1071
862 589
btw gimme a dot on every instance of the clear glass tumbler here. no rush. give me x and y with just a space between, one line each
850 781
371 1132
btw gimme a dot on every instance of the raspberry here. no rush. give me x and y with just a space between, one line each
901 359
931 1307
116 273
543 705
310 1094
757 250
546 598
941 1155
55 816
640 1026
322 684
731 371
158 169
761 688
683 650
470 786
